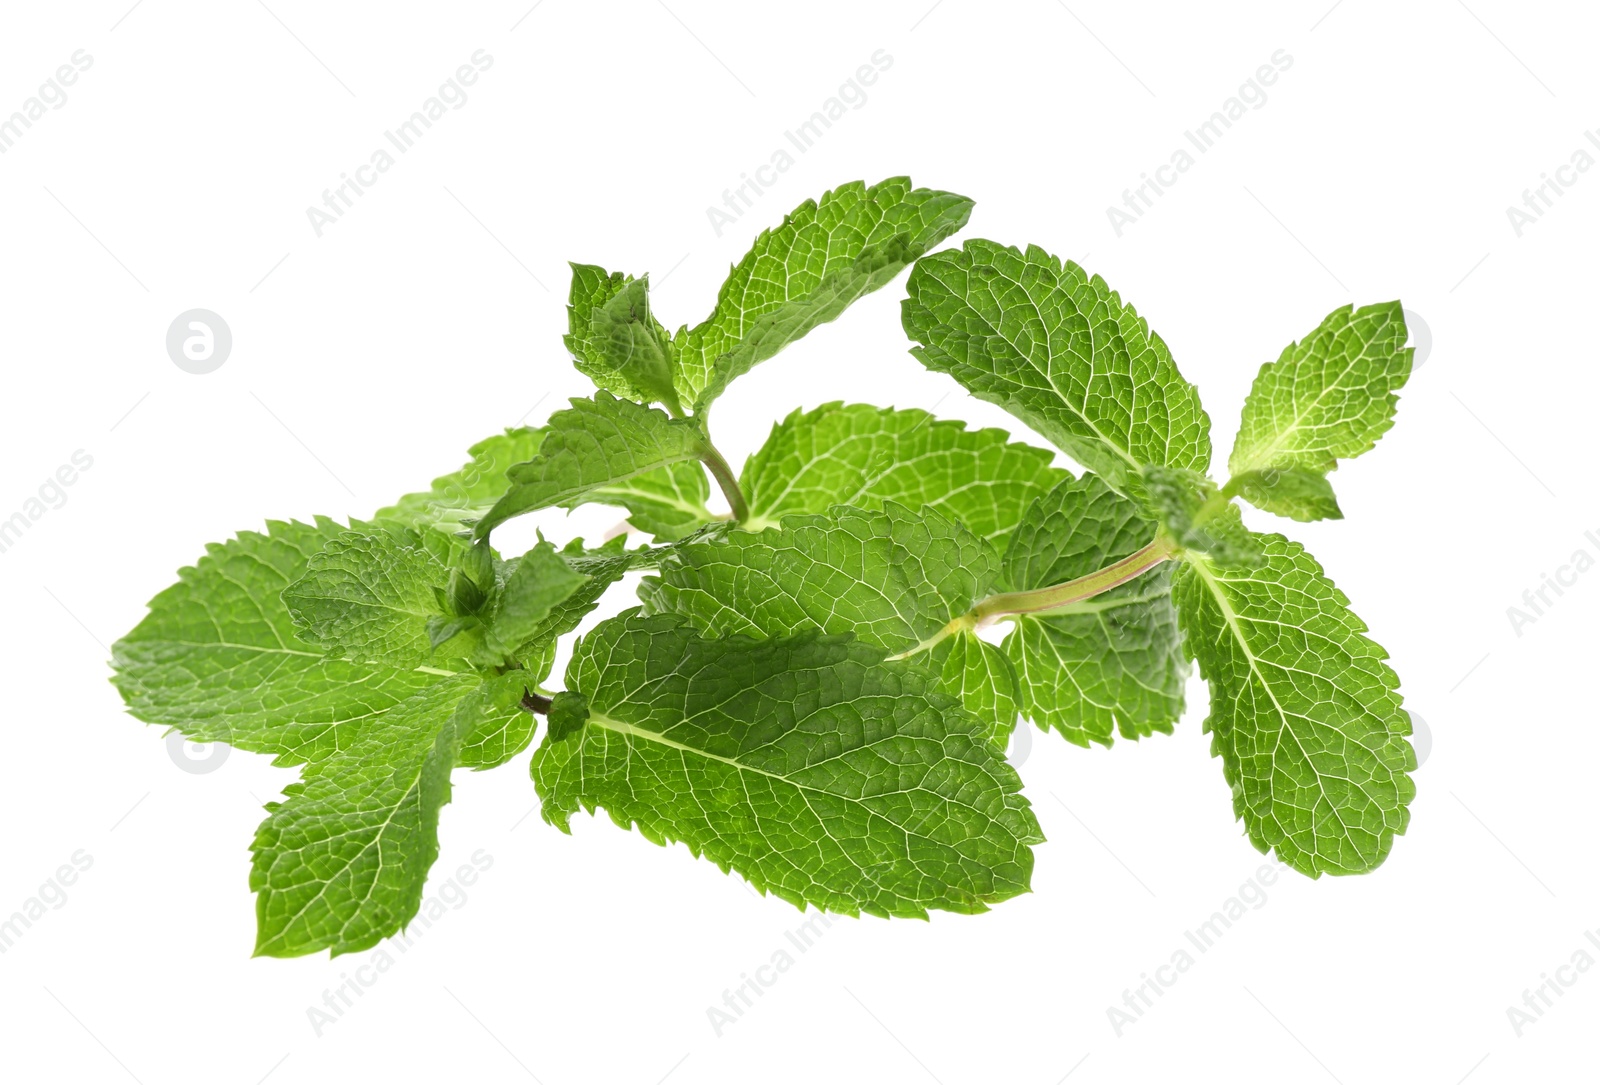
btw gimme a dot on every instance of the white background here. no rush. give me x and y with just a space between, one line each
177 175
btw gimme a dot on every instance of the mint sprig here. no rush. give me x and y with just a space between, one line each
808 696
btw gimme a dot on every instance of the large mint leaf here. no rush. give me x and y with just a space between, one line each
805 272
668 502
615 341
1111 664
218 656
863 455
808 765
465 495
340 863
1305 713
1059 350
893 578
597 442
368 597
1328 397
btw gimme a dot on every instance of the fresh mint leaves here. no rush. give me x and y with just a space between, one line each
807 697
1305 713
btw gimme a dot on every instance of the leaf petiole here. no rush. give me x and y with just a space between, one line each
1056 597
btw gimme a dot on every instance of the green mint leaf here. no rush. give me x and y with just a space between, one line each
1109 665
1305 712
805 272
1198 518
462 496
592 287
602 333
442 630
540 581
816 770
632 344
604 566
981 676
597 442
893 578
493 725
1327 398
1296 492
667 503
219 657
340 863
1059 350
569 711
368 598
862 455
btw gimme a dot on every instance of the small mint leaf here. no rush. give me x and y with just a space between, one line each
540 581
634 345
463 496
668 503
596 443
1327 398
1296 492
219 657
804 272
569 711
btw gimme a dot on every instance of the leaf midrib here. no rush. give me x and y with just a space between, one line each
288 652
628 730
1262 458
1126 454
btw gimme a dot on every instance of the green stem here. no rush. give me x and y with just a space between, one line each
1074 591
725 479
1055 597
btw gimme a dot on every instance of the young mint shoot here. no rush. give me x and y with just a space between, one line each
802 696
